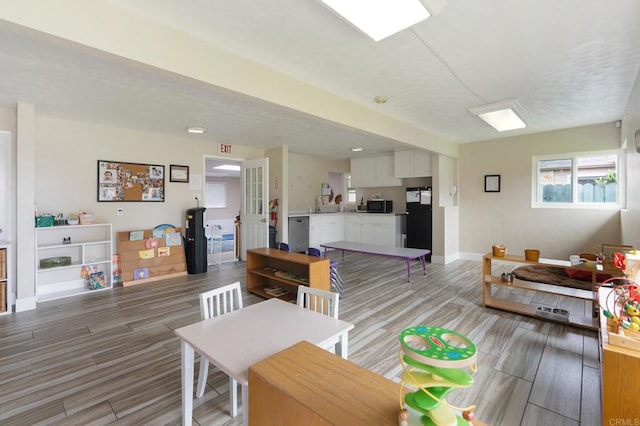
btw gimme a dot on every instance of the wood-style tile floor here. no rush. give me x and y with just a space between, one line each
112 357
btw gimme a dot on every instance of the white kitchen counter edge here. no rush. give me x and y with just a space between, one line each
345 213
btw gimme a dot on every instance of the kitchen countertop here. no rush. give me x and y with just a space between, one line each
343 213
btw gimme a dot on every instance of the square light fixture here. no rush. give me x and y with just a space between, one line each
502 116
380 18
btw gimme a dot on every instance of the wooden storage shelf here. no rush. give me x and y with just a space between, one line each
262 263
5 288
158 267
490 301
619 369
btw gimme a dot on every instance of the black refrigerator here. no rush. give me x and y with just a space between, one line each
195 246
419 218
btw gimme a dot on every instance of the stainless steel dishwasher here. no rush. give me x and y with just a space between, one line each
299 233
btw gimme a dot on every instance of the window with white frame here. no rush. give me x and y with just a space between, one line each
584 179
216 195
351 192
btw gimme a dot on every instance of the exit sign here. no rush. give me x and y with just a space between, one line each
225 149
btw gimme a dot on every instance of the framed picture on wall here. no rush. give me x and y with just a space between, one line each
178 173
491 183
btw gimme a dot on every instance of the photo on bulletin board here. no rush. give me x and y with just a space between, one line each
119 181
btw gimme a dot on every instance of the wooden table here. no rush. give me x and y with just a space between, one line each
235 341
305 385
408 254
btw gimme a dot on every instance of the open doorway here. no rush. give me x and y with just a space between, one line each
222 200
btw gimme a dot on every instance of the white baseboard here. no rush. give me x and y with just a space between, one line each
26 304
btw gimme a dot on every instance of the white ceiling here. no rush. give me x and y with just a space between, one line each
569 63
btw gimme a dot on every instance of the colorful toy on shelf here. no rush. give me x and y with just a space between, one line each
622 306
433 360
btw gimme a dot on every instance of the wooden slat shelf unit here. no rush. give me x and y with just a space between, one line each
489 280
619 369
263 262
4 276
159 267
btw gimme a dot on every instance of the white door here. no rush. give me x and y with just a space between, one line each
255 198
5 177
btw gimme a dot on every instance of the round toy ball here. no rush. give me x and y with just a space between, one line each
468 415
403 418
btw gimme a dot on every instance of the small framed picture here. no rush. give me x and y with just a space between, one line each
178 173
491 183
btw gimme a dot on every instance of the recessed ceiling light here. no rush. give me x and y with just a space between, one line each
196 130
381 99
379 19
228 167
357 149
502 116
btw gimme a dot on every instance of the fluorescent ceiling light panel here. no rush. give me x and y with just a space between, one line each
502 116
196 130
228 167
379 18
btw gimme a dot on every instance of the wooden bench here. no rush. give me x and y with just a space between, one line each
408 254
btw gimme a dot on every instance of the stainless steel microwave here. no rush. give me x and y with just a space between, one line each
379 206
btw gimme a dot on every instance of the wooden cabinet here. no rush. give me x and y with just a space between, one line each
269 269
489 300
90 250
5 273
412 163
166 262
371 172
306 385
372 228
619 369
325 228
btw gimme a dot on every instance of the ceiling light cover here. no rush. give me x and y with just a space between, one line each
379 18
197 130
356 149
502 116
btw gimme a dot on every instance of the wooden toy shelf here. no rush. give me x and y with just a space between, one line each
489 300
619 369
158 267
262 264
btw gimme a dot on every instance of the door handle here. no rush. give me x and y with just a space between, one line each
264 220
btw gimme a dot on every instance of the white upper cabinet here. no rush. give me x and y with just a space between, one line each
371 172
412 163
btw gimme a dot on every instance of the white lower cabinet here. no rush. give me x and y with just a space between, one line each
370 228
325 228
89 249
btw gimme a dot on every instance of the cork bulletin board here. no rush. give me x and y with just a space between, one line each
118 181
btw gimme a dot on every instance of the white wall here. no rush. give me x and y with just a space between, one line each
66 179
508 218
631 124
306 174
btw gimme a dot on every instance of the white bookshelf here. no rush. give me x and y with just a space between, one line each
91 246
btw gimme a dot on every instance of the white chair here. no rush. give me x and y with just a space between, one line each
214 303
324 302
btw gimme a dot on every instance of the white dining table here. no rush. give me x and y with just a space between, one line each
235 341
